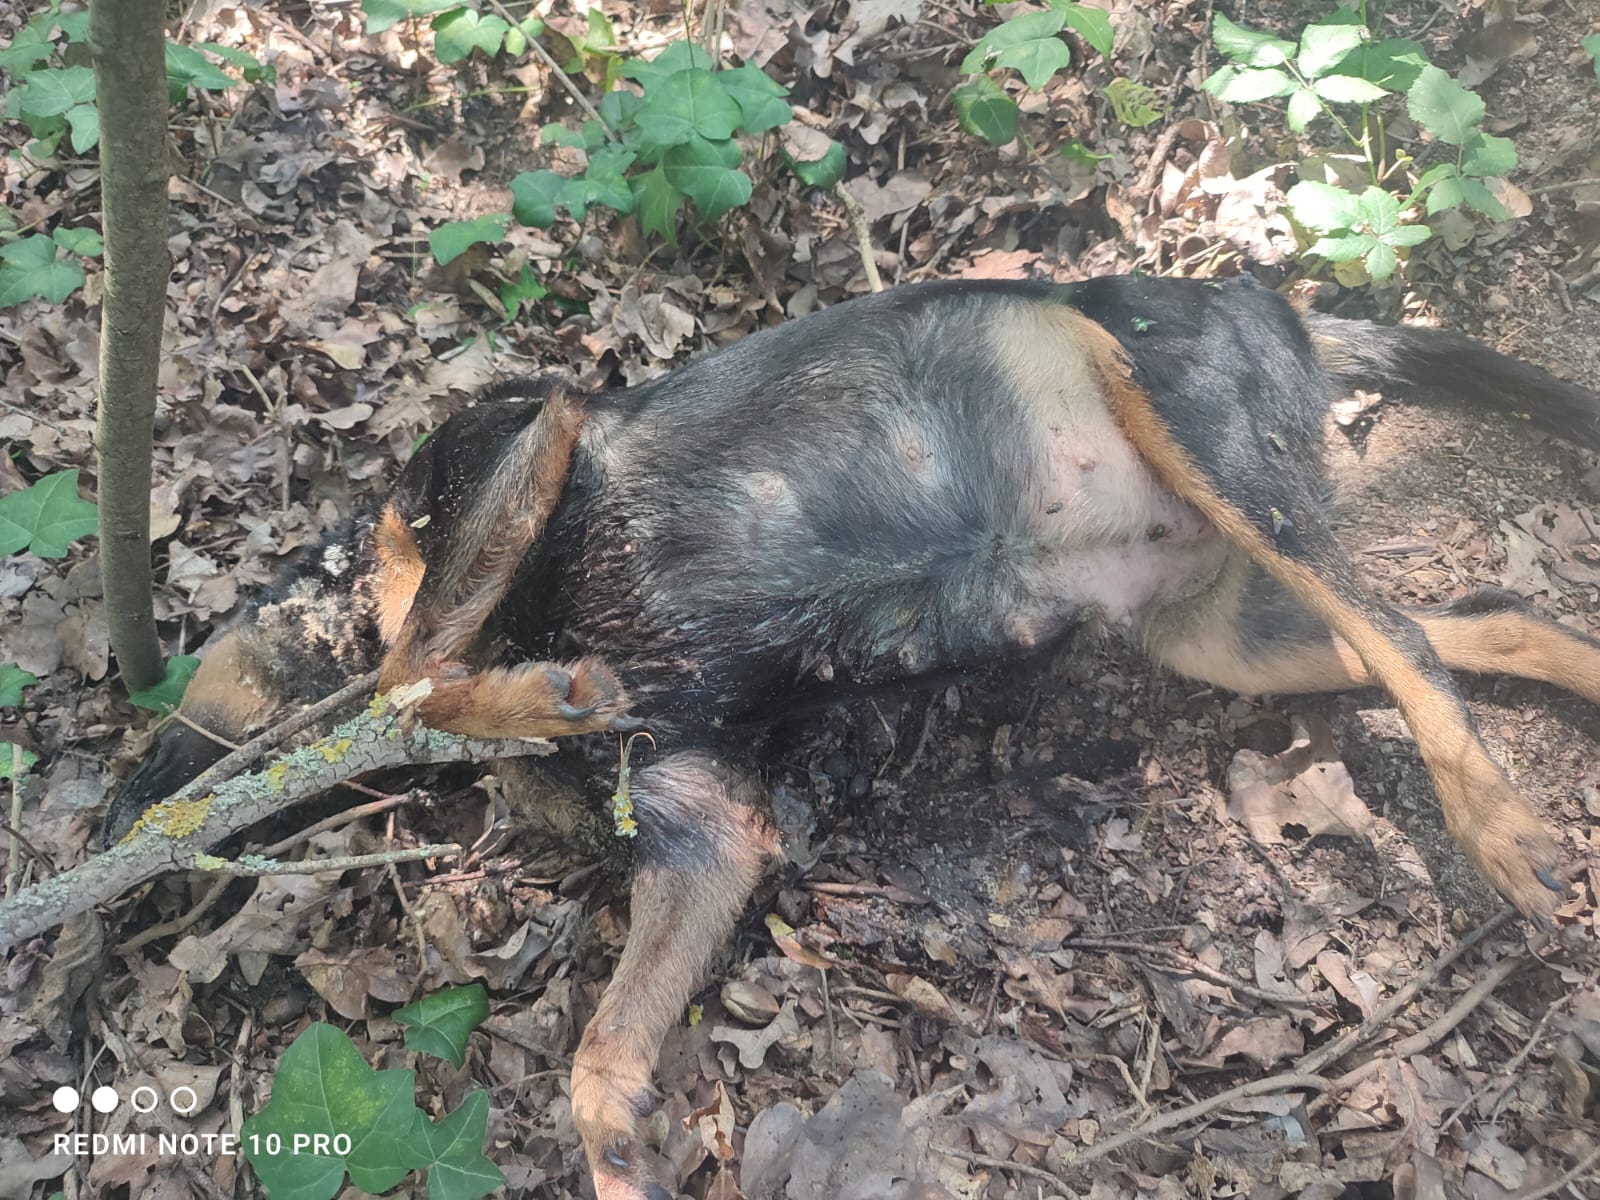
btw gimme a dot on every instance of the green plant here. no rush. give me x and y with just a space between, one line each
1591 47
13 680
46 518
1337 70
52 86
331 1114
1030 44
33 267
458 29
674 140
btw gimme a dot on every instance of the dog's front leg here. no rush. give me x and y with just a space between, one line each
704 840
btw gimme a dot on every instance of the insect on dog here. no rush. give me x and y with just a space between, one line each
934 479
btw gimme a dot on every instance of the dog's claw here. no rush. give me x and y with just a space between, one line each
621 724
1547 877
571 712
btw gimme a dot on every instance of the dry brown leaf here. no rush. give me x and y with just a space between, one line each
1304 788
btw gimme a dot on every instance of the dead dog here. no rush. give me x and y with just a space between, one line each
937 478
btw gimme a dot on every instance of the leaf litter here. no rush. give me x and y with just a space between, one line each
1049 910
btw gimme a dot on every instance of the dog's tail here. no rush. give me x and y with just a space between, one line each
1437 364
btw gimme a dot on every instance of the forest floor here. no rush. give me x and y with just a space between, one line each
1059 906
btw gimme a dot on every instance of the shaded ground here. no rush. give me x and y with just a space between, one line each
1048 925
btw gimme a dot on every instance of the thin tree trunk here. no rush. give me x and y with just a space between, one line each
130 81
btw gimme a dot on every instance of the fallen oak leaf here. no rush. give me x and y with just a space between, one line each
753 1044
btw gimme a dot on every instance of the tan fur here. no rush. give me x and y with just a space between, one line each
680 917
231 691
1495 825
399 574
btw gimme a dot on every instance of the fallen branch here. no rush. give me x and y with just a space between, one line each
1339 1047
1417 1042
253 865
1290 1082
175 834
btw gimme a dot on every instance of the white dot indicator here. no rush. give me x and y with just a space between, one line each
104 1099
144 1099
183 1100
65 1099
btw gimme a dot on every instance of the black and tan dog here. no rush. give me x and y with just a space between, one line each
938 478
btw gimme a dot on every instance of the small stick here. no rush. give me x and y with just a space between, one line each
255 864
1290 1081
549 61
858 222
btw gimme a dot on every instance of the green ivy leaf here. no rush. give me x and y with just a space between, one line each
8 761
454 238
1484 154
458 1169
600 184
686 104
1348 89
1091 24
1322 47
1252 47
701 169
760 98
1245 85
657 202
164 696
556 134
535 196
84 121
12 680
47 517
678 56
821 172
1323 208
28 49
441 1023
51 93
252 68
323 1088
1038 25
621 108
30 268
1591 47
383 14
1443 107
189 67
523 290
1036 61
984 110
458 33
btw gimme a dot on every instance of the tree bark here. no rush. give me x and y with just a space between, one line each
128 44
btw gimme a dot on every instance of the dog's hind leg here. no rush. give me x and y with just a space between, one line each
704 840
1251 636
1259 487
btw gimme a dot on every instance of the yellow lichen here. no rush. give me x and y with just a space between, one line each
333 749
174 818
277 776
